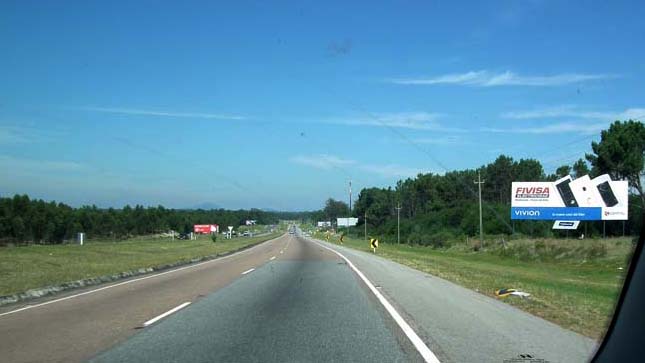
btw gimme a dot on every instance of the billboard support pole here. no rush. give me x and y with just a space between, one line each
479 183
604 235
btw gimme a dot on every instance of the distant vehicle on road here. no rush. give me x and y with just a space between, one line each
183 236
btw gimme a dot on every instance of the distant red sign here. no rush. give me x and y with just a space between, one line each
206 228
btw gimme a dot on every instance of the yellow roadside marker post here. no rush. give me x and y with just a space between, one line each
374 244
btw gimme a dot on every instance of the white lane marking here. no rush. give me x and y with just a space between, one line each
247 271
155 319
281 252
135 280
272 258
421 347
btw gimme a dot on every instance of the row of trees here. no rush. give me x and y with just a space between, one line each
26 220
438 206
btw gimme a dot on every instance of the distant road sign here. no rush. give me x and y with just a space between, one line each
374 243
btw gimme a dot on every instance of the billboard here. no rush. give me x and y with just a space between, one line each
346 222
205 228
324 224
566 199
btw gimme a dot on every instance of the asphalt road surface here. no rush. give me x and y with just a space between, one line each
288 299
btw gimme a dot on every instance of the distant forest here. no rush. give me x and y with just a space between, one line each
24 220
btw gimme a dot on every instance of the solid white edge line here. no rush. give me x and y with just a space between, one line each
134 280
157 318
421 347
247 271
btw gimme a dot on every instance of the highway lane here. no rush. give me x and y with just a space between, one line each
461 325
77 328
304 306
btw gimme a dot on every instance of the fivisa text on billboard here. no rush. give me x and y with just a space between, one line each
568 199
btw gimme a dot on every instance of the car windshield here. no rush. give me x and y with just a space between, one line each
317 181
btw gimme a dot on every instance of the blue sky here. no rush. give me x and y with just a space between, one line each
258 104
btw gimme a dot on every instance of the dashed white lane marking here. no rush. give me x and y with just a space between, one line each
421 347
247 271
138 279
155 319
272 258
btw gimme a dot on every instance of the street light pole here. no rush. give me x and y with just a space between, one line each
479 183
398 224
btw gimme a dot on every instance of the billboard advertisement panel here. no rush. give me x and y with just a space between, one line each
566 199
346 222
324 224
205 228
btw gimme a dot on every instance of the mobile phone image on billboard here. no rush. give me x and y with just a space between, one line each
603 185
563 187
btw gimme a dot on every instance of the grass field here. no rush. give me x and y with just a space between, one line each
572 283
28 267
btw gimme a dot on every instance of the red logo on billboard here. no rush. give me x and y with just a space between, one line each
205 228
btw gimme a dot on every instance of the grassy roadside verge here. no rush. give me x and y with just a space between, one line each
577 292
28 267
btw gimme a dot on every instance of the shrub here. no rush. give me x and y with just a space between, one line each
440 239
214 237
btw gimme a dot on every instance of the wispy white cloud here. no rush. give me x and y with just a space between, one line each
140 112
322 161
390 170
15 164
12 135
578 120
492 79
572 111
573 127
407 120
23 135
327 162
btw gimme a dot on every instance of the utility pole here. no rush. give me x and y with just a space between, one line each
365 226
398 224
350 197
479 183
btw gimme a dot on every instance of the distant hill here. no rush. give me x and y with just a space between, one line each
206 206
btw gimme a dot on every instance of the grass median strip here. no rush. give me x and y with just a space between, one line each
575 287
28 267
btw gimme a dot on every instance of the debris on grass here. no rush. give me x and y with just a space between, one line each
502 293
